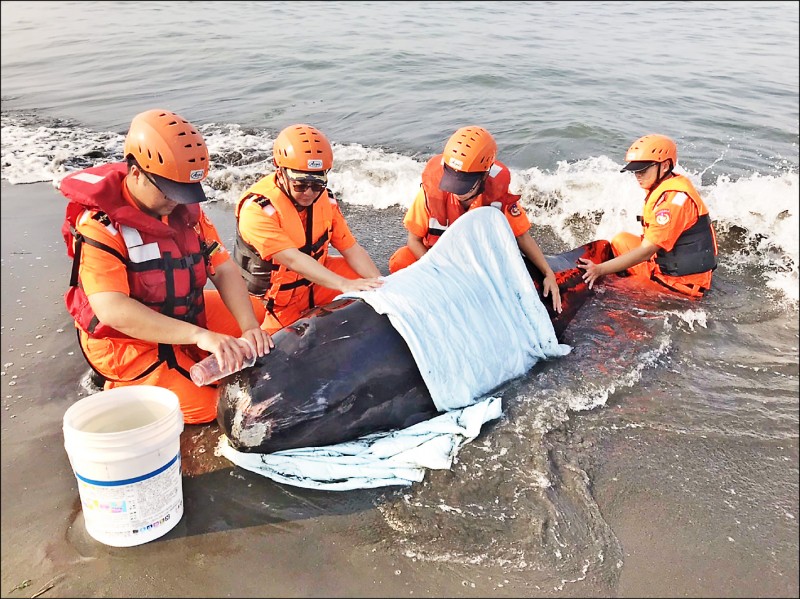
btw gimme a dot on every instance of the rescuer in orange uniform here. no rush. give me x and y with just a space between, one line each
464 177
286 224
142 252
678 247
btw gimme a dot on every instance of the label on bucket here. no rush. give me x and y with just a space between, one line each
130 512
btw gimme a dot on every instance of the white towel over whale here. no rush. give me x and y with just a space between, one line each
472 320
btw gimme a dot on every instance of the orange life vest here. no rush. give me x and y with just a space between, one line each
165 262
695 251
444 208
277 283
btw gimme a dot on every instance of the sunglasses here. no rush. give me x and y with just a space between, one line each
303 186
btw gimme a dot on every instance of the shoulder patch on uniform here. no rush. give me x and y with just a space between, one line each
662 217
494 170
258 199
513 209
103 219
264 202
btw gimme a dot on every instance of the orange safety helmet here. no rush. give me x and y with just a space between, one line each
302 148
167 145
470 150
649 149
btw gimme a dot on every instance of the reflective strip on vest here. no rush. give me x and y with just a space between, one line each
90 178
680 198
435 225
139 252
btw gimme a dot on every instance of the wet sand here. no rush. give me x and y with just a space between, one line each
243 535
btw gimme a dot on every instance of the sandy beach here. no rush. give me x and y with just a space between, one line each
244 536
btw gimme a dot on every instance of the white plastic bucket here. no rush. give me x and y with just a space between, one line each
124 448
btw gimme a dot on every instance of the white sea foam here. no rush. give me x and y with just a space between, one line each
756 216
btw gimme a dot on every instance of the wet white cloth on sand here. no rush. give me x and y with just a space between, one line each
378 460
472 320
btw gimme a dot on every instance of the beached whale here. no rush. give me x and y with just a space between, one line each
344 371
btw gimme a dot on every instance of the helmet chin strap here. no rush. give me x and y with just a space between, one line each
659 177
481 187
287 193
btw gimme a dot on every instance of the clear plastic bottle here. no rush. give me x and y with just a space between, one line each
207 370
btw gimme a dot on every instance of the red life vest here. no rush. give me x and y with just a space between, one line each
166 262
444 208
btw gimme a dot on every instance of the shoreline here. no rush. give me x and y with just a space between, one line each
243 535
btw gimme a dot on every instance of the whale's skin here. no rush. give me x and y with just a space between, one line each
343 371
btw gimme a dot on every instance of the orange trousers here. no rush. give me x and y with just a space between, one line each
692 285
121 360
401 258
283 316
625 242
